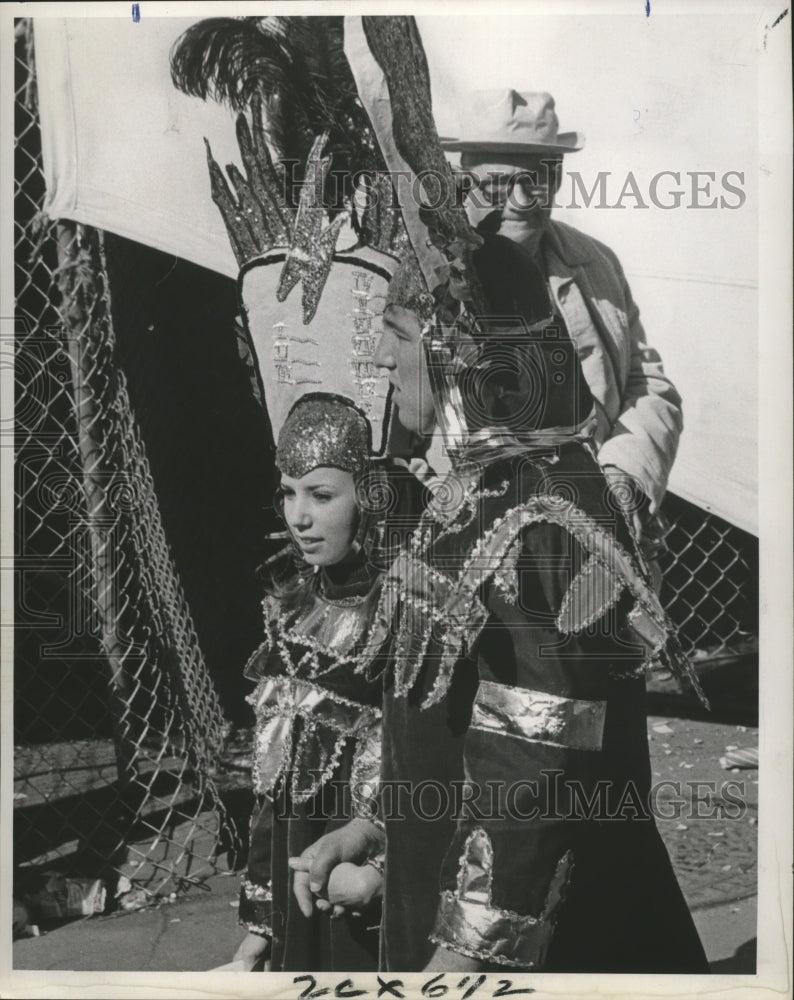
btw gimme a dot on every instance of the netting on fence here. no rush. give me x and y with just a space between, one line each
118 721
118 727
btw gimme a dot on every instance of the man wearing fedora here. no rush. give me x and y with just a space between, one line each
511 153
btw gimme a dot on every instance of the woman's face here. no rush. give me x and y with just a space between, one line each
321 513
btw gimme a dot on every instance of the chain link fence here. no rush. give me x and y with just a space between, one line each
119 722
710 582
118 726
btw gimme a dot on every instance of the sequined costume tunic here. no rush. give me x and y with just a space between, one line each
317 741
515 699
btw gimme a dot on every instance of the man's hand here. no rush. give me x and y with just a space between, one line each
352 887
629 496
253 951
355 842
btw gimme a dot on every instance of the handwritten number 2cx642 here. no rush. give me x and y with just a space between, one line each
434 988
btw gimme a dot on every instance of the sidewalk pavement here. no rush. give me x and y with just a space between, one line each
714 857
200 932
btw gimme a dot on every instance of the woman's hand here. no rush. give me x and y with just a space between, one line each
355 842
254 952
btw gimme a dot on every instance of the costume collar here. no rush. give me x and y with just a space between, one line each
432 596
353 576
491 445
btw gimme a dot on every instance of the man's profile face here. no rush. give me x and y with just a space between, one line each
400 351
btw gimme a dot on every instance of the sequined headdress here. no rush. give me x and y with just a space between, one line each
321 338
298 111
322 429
408 289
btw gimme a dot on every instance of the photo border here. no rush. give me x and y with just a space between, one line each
775 506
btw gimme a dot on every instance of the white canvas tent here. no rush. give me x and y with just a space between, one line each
124 152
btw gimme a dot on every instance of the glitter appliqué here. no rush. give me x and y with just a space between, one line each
364 341
313 640
447 606
311 247
594 590
365 772
505 579
256 216
468 923
283 360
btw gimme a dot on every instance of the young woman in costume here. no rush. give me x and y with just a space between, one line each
317 733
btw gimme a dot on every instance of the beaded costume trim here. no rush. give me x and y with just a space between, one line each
365 772
446 606
314 638
256 893
595 589
255 905
328 720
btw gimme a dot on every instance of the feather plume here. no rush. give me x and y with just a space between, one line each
298 67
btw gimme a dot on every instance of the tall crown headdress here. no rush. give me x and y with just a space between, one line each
384 113
286 212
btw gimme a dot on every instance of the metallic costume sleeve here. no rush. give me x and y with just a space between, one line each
468 921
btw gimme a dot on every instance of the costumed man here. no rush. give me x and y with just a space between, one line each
514 720
511 155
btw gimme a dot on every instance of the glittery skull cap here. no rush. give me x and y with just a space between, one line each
323 429
408 289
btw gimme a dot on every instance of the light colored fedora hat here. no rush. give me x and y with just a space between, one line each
511 122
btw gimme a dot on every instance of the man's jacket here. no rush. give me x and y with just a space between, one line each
638 407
